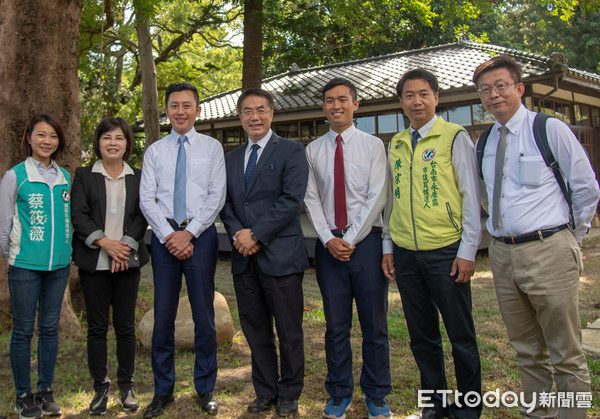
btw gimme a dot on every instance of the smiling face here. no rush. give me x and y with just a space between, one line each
505 104
113 145
256 116
339 107
44 141
418 102
182 111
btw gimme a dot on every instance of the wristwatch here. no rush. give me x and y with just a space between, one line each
253 236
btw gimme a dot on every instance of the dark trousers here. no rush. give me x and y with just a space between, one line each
199 273
425 285
360 279
101 290
260 298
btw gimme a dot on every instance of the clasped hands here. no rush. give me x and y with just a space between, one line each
244 244
119 252
179 244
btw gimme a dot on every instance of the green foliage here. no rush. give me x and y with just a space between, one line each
191 41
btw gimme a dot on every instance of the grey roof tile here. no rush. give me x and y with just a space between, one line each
376 77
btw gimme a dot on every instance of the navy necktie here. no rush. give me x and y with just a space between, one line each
251 164
415 139
179 197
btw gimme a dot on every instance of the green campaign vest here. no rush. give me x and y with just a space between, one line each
40 238
427 211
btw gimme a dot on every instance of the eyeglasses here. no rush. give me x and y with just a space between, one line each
259 111
498 87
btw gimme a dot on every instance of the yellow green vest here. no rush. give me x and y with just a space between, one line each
427 211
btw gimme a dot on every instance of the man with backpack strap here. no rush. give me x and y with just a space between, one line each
535 254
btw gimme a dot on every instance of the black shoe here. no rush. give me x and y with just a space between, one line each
128 400
260 405
208 403
287 407
26 407
45 399
431 414
158 405
99 402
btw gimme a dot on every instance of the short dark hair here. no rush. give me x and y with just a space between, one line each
499 61
108 124
49 119
418 74
340 81
253 91
180 86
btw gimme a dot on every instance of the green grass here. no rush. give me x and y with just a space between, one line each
73 386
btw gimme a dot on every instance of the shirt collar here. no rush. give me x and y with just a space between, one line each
346 135
515 122
424 130
190 135
41 166
262 142
98 167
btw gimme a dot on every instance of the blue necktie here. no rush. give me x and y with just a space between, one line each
179 198
251 164
415 139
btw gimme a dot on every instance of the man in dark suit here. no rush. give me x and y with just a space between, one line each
266 181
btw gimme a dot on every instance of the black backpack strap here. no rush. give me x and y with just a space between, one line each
480 148
540 134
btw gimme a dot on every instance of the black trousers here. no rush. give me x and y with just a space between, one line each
101 290
425 285
262 298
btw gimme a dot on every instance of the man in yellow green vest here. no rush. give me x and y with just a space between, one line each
430 245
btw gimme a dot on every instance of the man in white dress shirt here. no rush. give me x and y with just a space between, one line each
435 230
535 255
182 190
346 194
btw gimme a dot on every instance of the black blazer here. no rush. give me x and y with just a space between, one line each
270 207
88 214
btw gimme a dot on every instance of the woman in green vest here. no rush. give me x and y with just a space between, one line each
35 240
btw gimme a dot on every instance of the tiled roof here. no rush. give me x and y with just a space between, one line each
376 77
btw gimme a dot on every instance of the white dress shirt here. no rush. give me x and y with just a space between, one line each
205 182
116 194
531 199
262 143
8 198
366 183
467 178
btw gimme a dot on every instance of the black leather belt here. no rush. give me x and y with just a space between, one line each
175 225
342 232
529 237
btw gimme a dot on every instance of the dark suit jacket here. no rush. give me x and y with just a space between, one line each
270 207
88 214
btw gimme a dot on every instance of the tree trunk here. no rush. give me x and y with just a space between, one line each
252 60
150 104
38 73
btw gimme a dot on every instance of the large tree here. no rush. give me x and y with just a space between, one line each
38 73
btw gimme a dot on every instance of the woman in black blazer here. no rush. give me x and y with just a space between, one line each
109 249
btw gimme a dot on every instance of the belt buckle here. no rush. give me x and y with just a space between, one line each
345 229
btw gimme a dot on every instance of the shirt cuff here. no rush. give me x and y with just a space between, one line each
580 233
467 252
131 242
164 232
326 236
388 246
96 235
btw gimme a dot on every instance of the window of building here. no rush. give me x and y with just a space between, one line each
481 115
322 127
366 124
582 115
307 130
390 123
460 115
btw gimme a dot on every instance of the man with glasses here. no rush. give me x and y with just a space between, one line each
266 181
435 230
535 254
